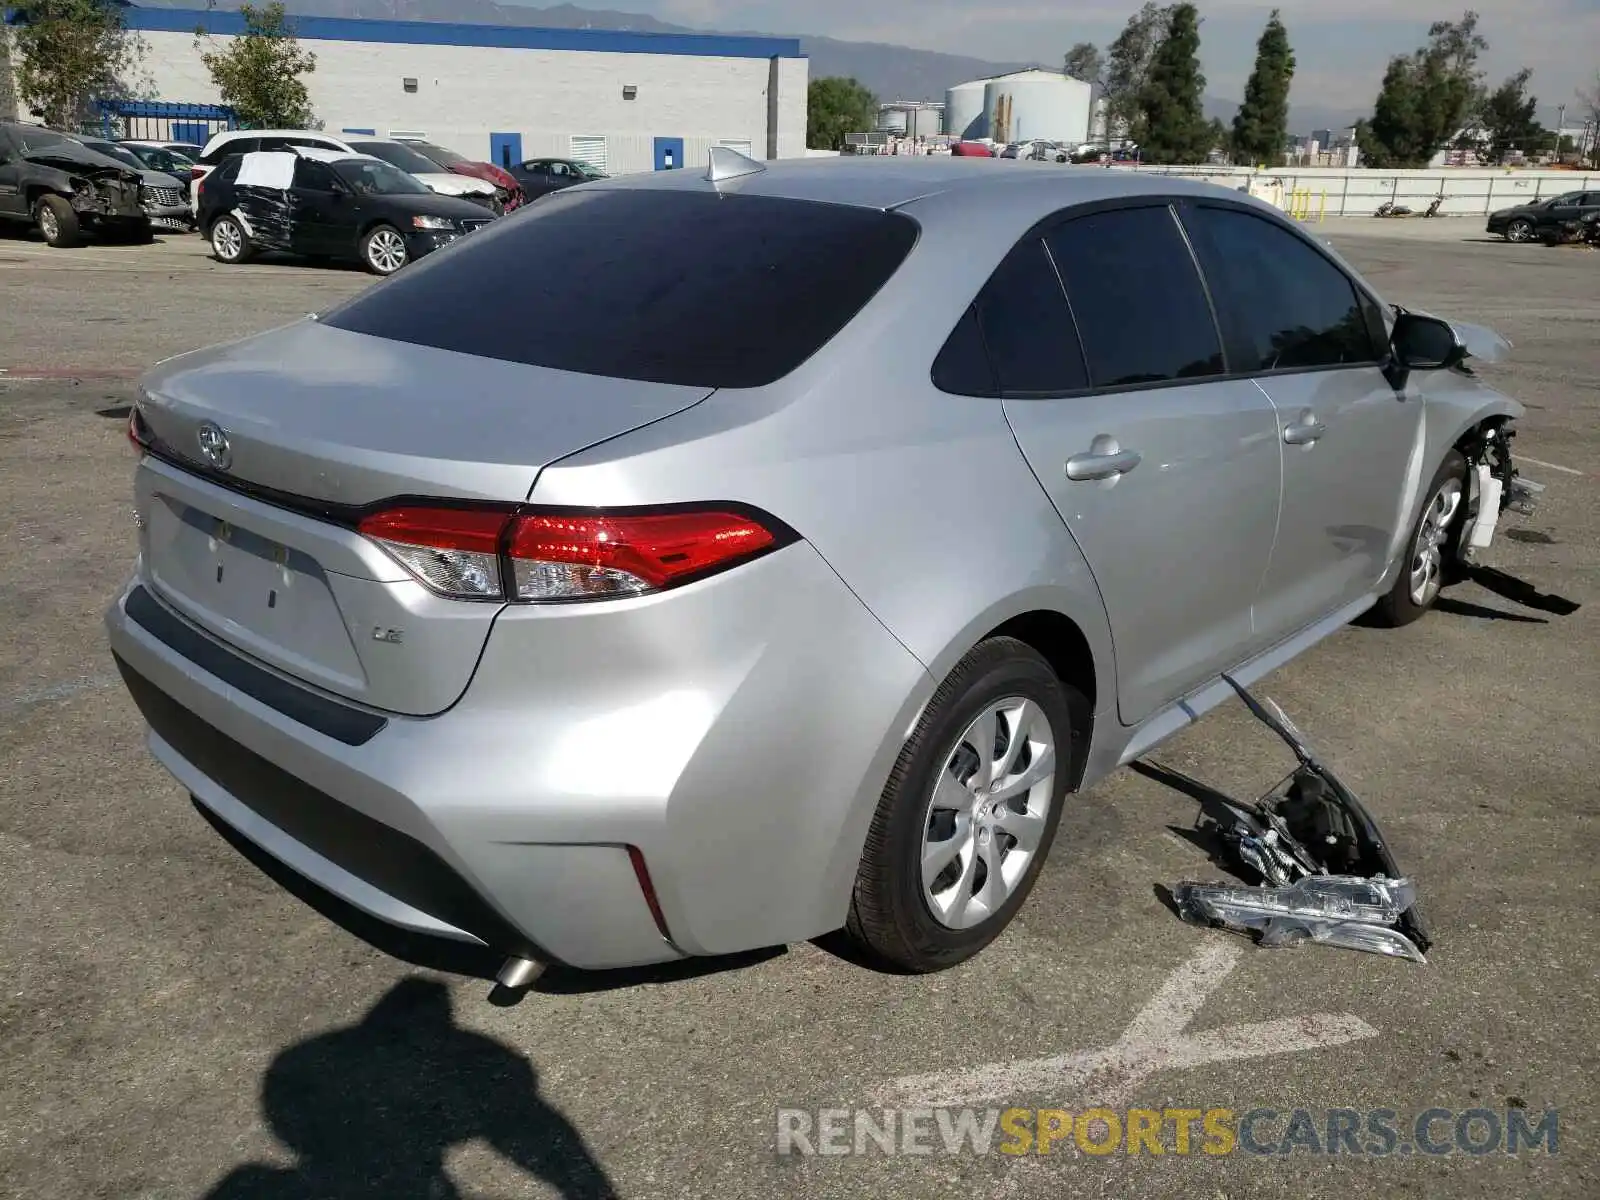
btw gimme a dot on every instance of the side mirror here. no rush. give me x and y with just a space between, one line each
1422 343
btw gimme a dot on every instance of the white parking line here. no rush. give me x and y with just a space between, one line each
1548 466
1154 1041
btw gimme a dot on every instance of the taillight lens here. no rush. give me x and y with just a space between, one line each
196 173
454 551
560 557
555 557
138 431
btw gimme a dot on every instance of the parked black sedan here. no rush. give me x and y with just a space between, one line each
328 204
540 176
1526 222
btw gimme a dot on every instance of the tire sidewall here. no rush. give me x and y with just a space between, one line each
1403 607
995 678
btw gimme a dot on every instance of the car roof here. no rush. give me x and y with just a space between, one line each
892 181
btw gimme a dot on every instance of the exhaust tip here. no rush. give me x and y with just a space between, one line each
517 974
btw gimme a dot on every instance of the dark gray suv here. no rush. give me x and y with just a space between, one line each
57 184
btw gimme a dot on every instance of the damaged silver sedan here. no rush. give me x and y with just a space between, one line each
66 190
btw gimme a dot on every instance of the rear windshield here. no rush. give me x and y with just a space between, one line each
655 285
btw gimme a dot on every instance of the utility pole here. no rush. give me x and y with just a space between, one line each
1561 127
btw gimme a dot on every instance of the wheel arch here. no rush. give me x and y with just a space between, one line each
1062 643
1079 651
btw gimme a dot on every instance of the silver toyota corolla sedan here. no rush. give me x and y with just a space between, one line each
780 552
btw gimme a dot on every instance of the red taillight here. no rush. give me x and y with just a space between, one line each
196 174
454 551
532 557
138 433
561 557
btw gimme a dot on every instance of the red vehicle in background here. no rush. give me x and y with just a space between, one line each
460 164
971 150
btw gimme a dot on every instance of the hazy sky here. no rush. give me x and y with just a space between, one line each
1341 45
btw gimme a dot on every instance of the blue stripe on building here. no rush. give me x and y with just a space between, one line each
442 33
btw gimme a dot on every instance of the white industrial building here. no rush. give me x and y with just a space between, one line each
623 101
1020 106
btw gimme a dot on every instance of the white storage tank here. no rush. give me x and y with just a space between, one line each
1037 104
927 121
964 113
893 120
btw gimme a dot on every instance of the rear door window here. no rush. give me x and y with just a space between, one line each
1284 304
1027 326
1141 309
680 287
233 146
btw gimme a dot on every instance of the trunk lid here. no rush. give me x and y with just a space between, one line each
255 543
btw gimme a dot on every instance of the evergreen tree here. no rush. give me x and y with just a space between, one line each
1174 125
1426 97
1127 66
1508 120
1083 63
1261 128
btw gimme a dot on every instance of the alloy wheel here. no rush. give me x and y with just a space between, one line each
1519 231
227 240
988 813
48 225
1427 555
386 251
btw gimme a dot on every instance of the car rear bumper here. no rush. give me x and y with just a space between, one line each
735 734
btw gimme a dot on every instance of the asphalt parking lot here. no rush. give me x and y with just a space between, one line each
173 1024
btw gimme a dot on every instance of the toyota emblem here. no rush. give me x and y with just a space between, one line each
214 446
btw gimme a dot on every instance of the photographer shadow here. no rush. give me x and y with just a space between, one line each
371 1110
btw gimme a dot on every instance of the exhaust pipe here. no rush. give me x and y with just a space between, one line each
518 973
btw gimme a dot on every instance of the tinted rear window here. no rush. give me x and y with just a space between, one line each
1142 311
660 286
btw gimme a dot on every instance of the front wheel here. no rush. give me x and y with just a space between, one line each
1520 230
969 813
383 250
1433 549
57 223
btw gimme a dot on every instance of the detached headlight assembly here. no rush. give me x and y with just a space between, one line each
444 223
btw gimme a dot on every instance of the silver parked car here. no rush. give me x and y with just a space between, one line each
784 554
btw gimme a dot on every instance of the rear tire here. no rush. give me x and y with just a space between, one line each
1433 548
230 244
57 223
947 804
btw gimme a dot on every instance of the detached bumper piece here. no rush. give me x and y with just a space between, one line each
1498 487
1326 874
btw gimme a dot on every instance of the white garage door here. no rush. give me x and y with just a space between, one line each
591 150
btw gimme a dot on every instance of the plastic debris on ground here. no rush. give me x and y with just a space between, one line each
1326 874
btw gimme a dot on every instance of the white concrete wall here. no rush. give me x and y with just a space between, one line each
1341 192
464 93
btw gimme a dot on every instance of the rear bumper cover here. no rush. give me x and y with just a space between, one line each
737 732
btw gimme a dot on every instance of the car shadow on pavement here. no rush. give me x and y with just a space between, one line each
370 1110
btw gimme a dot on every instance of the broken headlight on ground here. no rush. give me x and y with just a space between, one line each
1326 874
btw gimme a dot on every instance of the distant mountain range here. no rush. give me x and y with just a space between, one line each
890 72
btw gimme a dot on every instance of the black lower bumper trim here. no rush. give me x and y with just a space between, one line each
393 862
328 717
